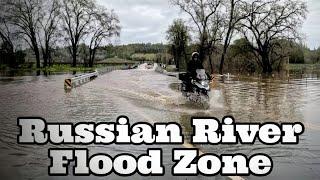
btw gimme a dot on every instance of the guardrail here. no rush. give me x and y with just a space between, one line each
78 80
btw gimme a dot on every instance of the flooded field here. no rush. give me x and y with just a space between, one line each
148 96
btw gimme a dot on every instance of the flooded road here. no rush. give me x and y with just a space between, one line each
148 96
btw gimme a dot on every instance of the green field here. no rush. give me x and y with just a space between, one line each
116 60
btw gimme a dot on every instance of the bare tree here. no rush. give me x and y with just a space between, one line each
6 33
207 19
48 31
76 16
5 28
25 15
104 25
234 14
270 21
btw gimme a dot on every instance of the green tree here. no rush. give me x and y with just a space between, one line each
242 57
178 36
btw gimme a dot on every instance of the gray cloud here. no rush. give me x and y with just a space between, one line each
311 26
143 20
148 20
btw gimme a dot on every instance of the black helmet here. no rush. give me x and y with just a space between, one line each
195 54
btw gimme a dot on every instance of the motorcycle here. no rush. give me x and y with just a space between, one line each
196 89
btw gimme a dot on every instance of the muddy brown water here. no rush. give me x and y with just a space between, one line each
147 96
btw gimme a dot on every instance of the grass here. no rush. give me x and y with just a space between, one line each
116 60
299 69
171 68
66 68
3 66
304 66
146 56
55 68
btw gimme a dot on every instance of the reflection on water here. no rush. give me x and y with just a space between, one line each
265 100
144 95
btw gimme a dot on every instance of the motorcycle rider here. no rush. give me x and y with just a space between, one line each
194 64
192 67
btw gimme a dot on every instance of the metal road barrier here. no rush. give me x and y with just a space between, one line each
78 80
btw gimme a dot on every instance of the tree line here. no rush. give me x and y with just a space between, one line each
265 29
44 24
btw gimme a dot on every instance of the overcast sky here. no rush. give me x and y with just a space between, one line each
147 20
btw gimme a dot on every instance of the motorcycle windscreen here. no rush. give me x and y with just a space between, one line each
201 74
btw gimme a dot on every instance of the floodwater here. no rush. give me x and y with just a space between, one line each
148 96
